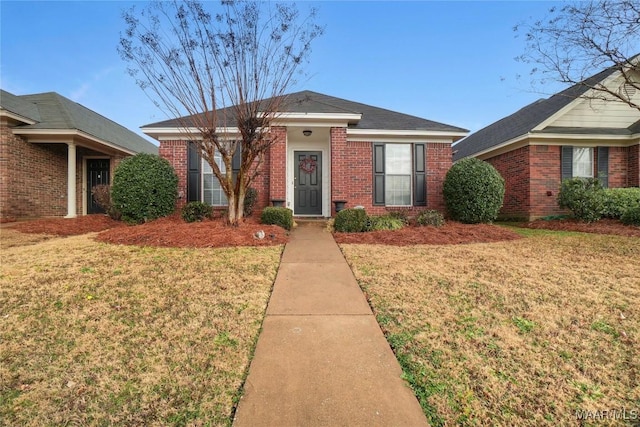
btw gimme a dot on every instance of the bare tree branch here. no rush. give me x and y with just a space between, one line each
578 40
217 71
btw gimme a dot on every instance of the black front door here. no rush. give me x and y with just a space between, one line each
307 199
98 171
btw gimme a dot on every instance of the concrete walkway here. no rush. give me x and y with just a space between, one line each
321 359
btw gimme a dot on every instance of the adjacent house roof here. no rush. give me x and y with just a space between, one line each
51 111
371 117
524 120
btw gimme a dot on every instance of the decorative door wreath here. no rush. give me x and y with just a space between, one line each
308 165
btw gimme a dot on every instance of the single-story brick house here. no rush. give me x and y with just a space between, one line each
53 151
564 136
327 149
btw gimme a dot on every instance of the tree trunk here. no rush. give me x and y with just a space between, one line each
235 208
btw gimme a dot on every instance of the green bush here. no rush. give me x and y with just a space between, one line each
351 221
473 191
196 211
401 214
145 187
584 197
277 215
385 222
250 199
430 217
618 200
631 216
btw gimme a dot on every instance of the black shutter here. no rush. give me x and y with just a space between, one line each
236 161
378 174
419 177
566 160
603 166
193 172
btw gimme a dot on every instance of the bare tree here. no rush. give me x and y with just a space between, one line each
578 40
223 76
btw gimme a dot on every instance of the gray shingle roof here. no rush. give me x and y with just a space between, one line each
522 121
19 106
53 111
372 117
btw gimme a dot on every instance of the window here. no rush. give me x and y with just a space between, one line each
582 162
212 193
399 175
578 162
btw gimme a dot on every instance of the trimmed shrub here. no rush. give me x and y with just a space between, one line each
250 199
401 214
277 215
473 191
631 216
351 221
196 211
584 197
102 195
385 222
430 217
618 200
145 187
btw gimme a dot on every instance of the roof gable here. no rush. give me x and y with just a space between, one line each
307 102
52 111
525 120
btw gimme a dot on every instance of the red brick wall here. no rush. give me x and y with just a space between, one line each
633 162
33 178
277 165
545 178
618 166
352 174
514 168
439 160
176 153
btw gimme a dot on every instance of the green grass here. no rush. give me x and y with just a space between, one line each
516 333
97 334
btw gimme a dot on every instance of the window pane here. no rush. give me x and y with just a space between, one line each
212 193
582 162
398 159
398 190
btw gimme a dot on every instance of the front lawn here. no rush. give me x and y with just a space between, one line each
99 334
523 332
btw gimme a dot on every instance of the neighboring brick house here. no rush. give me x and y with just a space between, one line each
564 136
327 149
53 151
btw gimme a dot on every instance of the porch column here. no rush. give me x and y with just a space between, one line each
71 181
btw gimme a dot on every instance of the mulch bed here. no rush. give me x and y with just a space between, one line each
166 232
452 233
174 232
604 226
67 226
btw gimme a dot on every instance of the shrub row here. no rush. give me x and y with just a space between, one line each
357 221
589 202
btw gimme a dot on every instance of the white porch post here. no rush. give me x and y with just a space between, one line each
71 181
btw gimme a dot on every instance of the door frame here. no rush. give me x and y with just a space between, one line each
326 175
85 169
296 170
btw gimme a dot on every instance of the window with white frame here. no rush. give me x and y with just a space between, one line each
212 193
398 174
582 162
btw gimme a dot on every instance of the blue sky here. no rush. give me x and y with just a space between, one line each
451 62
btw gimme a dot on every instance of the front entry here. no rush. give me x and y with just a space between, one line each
98 171
307 199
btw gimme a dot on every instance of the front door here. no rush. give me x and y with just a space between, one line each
307 199
98 171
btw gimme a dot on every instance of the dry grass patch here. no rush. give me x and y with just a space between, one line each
97 334
10 238
525 332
